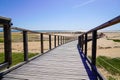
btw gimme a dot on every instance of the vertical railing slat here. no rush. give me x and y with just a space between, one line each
49 42
58 40
82 39
86 44
7 44
54 41
79 41
25 45
94 43
41 36
61 40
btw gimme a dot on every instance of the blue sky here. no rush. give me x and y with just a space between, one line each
60 14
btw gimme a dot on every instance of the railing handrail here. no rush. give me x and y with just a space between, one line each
4 18
5 23
83 40
37 32
106 24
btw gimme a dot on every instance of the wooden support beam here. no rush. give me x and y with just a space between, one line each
82 40
54 41
49 42
25 45
94 44
61 40
86 44
79 41
7 43
58 40
42 46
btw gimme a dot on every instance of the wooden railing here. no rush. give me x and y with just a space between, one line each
5 23
83 40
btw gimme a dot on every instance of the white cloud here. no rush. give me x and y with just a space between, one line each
84 3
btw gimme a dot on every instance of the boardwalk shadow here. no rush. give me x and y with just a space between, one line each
91 74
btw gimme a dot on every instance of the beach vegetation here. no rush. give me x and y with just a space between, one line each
116 40
111 78
1 40
17 57
112 65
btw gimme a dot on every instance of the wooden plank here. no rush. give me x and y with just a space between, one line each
61 63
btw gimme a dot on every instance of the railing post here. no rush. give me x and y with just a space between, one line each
25 44
61 40
65 39
82 38
86 44
7 44
49 42
79 42
41 42
55 41
94 43
58 40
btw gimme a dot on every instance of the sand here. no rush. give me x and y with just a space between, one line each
107 47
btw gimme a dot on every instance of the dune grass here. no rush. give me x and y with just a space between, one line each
111 78
112 65
116 40
16 57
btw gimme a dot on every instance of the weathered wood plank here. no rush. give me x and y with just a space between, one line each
62 63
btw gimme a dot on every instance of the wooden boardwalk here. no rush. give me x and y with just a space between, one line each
62 63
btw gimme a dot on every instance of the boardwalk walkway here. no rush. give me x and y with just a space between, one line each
62 63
